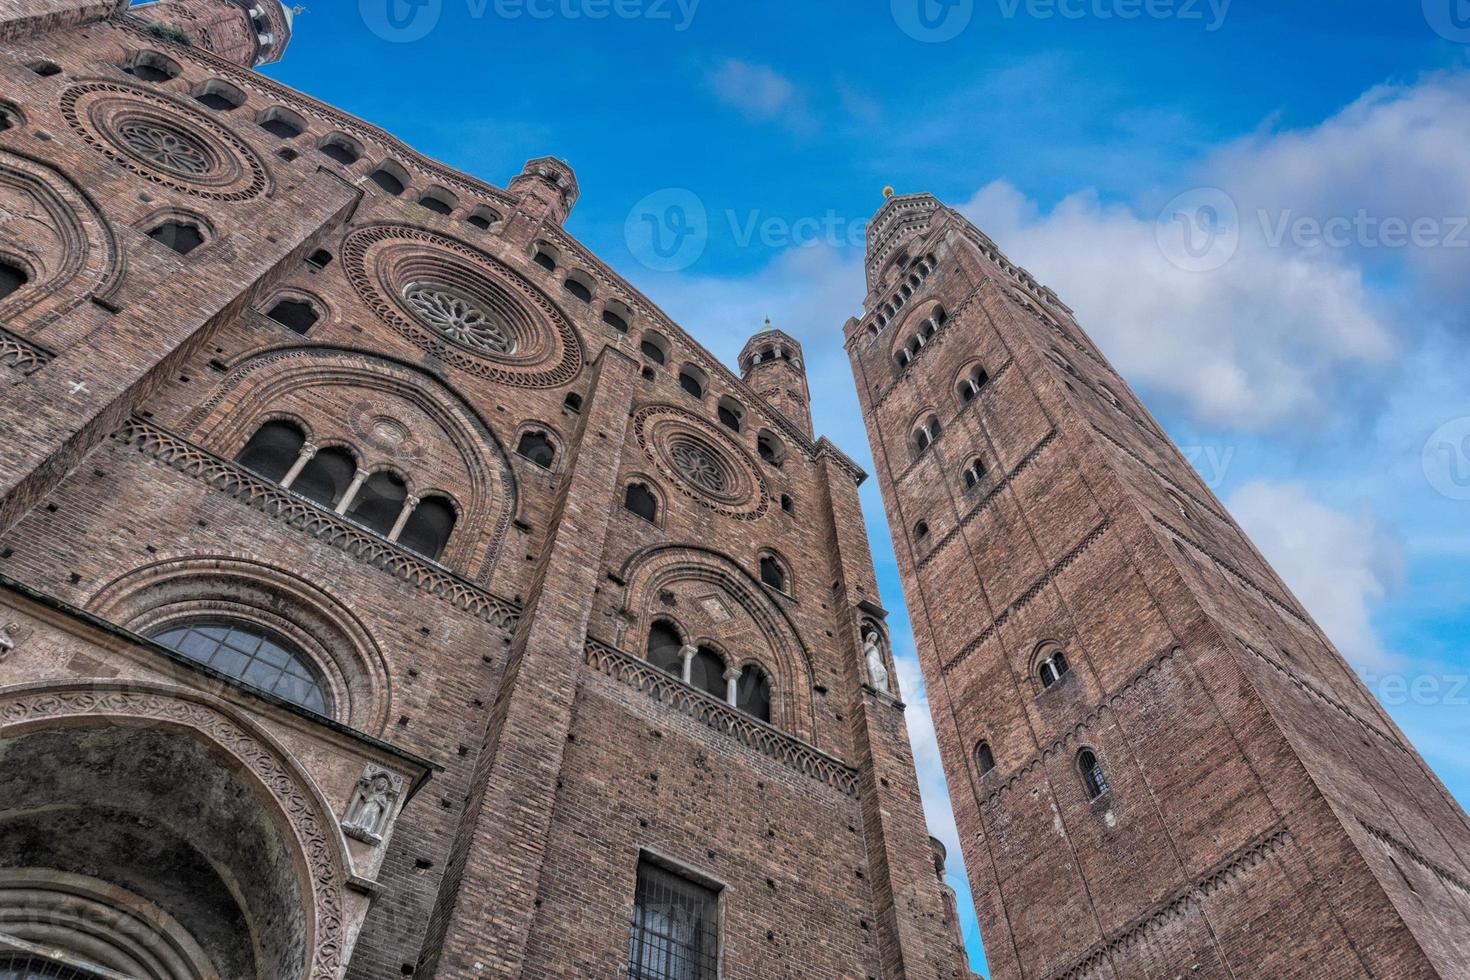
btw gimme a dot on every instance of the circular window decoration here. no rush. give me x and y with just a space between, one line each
702 462
164 141
462 306
458 318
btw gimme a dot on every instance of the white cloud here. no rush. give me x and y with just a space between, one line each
1340 565
759 92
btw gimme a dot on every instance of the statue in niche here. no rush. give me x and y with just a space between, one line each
372 805
873 660
11 635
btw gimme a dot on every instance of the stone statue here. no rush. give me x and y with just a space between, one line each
873 659
371 806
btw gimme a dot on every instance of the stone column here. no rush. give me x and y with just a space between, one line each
308 453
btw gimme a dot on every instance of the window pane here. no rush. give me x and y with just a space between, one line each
675 928
251 655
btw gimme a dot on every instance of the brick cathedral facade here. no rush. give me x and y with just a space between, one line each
387 588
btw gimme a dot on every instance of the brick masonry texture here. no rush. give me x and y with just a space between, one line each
503 684
1262 815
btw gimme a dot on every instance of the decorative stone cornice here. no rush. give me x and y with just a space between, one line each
330 528
1025 598
21 354
1237 864
1409 851
721 717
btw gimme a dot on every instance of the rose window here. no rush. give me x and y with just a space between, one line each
699 467
169 150
458 318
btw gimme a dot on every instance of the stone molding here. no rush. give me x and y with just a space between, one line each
317 838
1031 593
297 511
719 716
1236 573
1412 853
1255 852
1322 695
990 495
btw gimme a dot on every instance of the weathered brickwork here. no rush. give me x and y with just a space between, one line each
1253 811
261 364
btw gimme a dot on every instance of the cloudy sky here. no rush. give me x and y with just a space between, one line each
1258 209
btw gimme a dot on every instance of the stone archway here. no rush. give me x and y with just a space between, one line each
170 816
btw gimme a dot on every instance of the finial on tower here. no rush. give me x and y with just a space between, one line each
887 191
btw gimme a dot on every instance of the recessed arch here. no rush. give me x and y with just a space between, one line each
257 386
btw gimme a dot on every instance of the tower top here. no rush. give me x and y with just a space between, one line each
247 32
552 183
901 217
769 344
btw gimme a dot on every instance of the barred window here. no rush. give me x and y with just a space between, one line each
675 928
1093 776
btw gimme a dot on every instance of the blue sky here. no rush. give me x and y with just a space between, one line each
1308 348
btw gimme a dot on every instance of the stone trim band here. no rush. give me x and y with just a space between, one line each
363 545
716 714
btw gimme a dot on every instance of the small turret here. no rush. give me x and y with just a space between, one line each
547 188
247 32
771 363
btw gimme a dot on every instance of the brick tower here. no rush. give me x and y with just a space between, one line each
246 32
1160 765
387 587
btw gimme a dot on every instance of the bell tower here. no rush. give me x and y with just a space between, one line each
1160 764
247 32
771 363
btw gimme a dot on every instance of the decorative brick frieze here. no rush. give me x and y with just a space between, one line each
22 355
721 717
322 524
1235 572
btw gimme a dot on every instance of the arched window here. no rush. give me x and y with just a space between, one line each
296 314
1052 668
974 473
921 530
252 655
664 644
273 450
573 402
390 178
536 447
984 758
147 66
641 501
482 218
772 573
12 277
970 385
545 258
428 528
1178 503
787 505
578 288
283 124
438 200
707 672
753 692
342 149
693 380
614 319
48 68
379 501
183 237
319 259
220 97
925 434
731 415
654 347
1093 778
770 448
326 477
1062 362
